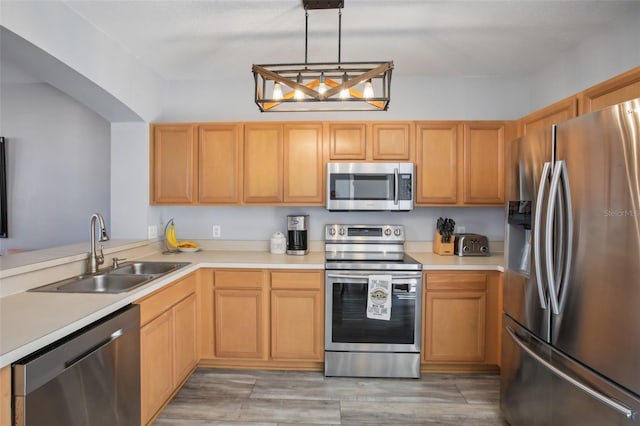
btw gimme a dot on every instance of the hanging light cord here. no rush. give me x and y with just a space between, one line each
306 34
339 32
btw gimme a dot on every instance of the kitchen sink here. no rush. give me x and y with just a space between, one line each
148 268
124 278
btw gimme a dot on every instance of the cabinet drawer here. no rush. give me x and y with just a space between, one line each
297 280
160 301
456 281
238 279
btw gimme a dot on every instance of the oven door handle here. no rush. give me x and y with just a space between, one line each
366 277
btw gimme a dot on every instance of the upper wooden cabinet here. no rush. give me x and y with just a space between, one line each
220 163
347 141
303 163
283 163
546 117
611 92
196 164
173 164
461 163
483 162
371 141
263 163
437 163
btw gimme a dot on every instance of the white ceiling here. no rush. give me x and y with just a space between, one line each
220 39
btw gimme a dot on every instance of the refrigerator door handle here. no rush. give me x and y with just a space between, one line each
559 172
537 220
617 406
568 219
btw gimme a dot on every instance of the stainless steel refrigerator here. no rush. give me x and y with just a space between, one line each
571 324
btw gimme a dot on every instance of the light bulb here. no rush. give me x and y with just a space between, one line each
298 93
344 93
277 91
322 87
368 90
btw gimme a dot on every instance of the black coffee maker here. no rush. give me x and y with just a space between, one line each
297 228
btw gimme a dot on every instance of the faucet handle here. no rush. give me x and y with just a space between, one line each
100 257
115 261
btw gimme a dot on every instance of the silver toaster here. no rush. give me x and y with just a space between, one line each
471 245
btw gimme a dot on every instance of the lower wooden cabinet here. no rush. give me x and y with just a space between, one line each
168 344
461 321
297 316
263 318
5 396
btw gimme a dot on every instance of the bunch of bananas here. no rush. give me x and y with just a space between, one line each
173 241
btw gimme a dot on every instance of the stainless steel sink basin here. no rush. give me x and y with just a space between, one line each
148 268
125 278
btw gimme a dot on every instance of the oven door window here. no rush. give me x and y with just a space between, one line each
349 322
345 186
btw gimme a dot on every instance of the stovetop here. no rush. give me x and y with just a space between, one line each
371 247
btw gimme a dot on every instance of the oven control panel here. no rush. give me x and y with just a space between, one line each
364 233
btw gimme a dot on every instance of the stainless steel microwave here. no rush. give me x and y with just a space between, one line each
370 186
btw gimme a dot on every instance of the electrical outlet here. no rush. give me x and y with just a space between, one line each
217 231
461 229
152 232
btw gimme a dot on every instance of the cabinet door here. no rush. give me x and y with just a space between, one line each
263 163
239 323
552 114
297 315
455 326
185 344
5 396
220 163
437 163
392 141
621 88
173 164
483 164
347 141
303 171
156 364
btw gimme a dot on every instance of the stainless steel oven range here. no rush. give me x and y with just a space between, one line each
373 294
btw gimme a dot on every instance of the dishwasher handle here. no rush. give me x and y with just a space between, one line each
70 363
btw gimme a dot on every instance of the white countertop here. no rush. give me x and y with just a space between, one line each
32 320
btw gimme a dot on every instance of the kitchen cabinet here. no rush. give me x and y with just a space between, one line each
618 89
168 343
437 162
283 163
196 164
461 163
240 314
371 141
261 318
297 313
173 164
219 164
546 117
461 321
5 396
483 162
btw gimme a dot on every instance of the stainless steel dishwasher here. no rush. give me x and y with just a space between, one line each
89 378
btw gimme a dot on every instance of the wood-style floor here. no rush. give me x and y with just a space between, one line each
270 398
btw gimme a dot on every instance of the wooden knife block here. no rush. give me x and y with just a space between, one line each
443 249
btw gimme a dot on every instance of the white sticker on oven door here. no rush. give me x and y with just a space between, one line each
379 300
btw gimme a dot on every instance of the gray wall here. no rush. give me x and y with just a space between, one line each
58 163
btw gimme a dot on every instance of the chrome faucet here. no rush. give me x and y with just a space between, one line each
95 259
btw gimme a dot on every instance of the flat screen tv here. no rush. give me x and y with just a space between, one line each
3 190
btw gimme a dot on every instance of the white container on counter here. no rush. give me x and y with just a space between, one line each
278 243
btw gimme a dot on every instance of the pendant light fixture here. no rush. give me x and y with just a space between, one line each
330 86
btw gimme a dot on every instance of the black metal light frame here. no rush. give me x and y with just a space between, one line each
309 78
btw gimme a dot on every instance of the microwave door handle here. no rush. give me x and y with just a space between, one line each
396 186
